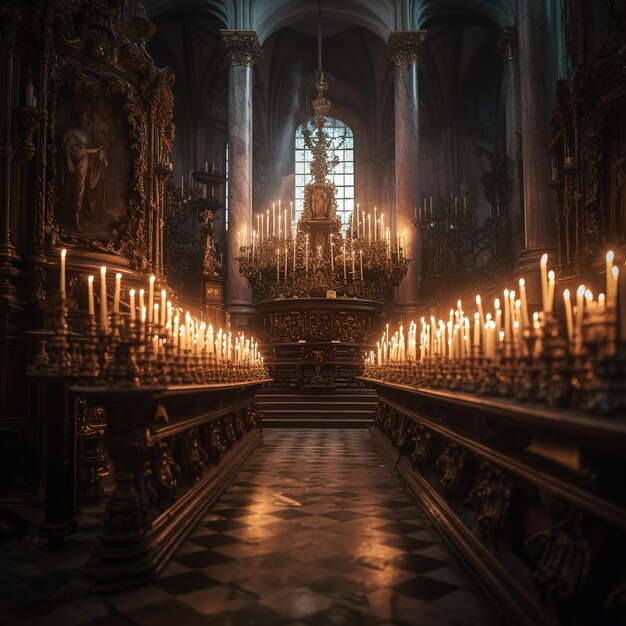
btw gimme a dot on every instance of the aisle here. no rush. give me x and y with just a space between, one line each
317 531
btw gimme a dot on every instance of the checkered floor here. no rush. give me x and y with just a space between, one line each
315 531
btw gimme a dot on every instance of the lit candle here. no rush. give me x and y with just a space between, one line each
103 299
580 303
150 298
369 227
543 265
614 287
156 311
277 264
182 339
610 255
62 274
141 301
551 284
353 270
92 311
116 293
522 295
477 332
507 316
286 261
361 263
163 307
132 305
274 219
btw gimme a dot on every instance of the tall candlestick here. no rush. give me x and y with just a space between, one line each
551 285
568 316
92 311
103 299
286 260
580 304
610 255
116 293
150 297
62 274
163 307
543 264
132 305
141 301
522 295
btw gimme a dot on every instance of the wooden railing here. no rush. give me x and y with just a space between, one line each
530 499
173 450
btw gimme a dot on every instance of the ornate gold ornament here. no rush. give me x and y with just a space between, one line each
406 47
241 47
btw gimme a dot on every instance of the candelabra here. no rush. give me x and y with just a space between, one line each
143 348
577 361
453 240
295 267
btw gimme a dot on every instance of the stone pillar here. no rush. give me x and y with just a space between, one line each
404 49
507 44
242 50
536 89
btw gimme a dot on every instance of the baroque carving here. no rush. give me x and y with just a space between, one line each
490 498
406 47
451 461
241 47
562 555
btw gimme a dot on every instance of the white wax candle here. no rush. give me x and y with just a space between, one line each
286 260
103 299
90 303
163 307
150 298
277 264
116 293
62 273
524 308
610 255
543 265
551 284
361 263
132 305
580 303
141 302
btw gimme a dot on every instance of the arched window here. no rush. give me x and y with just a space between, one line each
342 147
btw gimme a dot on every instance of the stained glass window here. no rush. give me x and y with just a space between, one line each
341 146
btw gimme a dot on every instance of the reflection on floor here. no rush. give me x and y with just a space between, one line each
316 530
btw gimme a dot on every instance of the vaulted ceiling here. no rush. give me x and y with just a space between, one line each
379 16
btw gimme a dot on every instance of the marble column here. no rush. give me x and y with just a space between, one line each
404 49
536 89
242 50
507 45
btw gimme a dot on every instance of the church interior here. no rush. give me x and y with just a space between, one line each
312 313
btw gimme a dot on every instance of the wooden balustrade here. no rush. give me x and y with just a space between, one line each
528 498
173 450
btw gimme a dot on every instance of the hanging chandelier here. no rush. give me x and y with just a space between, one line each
313 257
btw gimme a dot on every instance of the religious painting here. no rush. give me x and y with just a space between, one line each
321 200
93 167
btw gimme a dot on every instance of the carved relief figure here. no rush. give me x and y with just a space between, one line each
83 168
319 204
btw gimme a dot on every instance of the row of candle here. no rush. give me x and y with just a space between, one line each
163 323
426 210
271 225
504 330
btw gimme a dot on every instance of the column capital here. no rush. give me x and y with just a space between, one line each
242 47
404 47
507 43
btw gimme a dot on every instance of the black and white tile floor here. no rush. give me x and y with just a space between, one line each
315 531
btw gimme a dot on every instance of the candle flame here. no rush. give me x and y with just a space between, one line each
566 294
118 276
610 255
90 279
544 260
63 253
615 271
580 291
551 275
522 282
103 270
